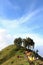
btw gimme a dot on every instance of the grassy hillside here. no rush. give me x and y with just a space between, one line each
8 56
12 55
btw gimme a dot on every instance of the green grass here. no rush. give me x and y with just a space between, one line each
9 56
7 53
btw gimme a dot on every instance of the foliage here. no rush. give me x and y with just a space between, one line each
18 41
28 42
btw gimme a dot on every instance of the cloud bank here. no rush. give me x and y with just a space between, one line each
5 38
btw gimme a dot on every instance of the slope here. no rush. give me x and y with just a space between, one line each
9 56
12 55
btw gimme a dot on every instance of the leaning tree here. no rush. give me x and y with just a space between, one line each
30 42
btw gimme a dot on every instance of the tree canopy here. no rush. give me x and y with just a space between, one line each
18 41
28 42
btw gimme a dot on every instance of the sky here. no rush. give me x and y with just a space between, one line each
21 18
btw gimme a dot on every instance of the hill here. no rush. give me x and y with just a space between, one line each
12 55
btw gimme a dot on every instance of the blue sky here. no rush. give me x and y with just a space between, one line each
21 18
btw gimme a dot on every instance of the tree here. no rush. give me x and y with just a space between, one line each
30 42
18 41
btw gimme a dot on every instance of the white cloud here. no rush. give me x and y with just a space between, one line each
5 38
28 16
16 22
9 23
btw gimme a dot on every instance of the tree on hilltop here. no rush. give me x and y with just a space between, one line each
28 42
18 41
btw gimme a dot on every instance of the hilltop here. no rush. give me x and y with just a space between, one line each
9 56
12 55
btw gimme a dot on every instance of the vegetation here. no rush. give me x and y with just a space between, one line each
18 41
9 56
28 42
17 55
